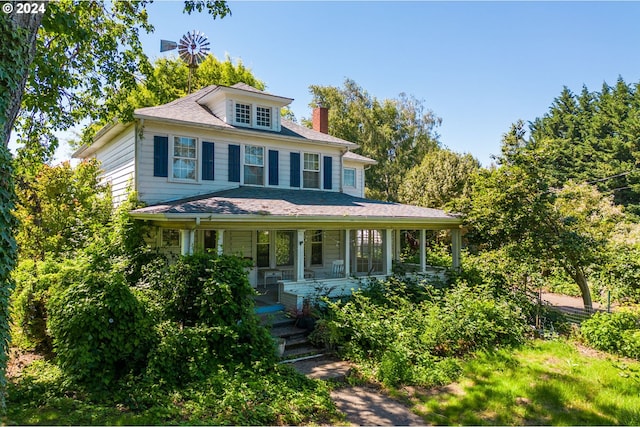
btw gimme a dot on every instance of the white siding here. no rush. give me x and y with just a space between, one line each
153 189
117 162
158 189
358 191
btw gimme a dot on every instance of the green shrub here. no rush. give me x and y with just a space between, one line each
395 367
472 318
182 355
616 332
100 330
206 305
406 332
200 289
36 283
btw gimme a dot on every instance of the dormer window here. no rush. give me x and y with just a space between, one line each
263 117
243 114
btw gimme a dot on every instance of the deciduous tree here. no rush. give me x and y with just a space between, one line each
514 206
441 177
395 132
58 67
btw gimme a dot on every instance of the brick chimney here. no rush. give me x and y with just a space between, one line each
321 119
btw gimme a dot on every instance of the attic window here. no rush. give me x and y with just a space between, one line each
263 117
243 114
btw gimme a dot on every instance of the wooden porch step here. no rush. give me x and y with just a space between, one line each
300 351
274 319
289 332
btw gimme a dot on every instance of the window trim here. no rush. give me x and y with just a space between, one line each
171 157
318 171
237 104
269 111
313 243
245 164
355 177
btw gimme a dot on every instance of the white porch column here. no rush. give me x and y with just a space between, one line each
192 241
300 256
423 250
456 246
347 253
185 242
398 244
388 250
220 242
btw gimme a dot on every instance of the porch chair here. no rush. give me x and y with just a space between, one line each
337 268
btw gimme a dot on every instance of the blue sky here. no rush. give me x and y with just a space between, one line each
480 66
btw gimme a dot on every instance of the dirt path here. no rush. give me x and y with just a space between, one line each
559 300
365 406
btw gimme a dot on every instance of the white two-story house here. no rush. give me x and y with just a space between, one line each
221 170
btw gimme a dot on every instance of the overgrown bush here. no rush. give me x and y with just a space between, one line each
206 306
408 332
617 332
36 282
472 318
100 330
259 394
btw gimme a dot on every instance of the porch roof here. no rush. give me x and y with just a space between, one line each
264 205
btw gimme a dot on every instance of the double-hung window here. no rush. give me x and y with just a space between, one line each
263 117
349 177
184 158
253 165
243 114
311 171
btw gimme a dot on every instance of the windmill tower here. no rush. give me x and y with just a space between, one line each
193 47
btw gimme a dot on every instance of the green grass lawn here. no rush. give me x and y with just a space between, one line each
543 383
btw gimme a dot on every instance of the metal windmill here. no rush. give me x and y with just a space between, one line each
193 48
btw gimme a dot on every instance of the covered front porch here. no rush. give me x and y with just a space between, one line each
307 263
309 243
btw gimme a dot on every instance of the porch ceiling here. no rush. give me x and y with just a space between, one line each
262 206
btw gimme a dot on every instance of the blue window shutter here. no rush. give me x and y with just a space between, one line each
234 163
295 170
208 161
161 156
328 172
273 167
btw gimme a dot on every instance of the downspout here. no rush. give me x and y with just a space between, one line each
342 153
139 130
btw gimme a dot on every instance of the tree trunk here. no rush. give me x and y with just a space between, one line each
581 280
17 50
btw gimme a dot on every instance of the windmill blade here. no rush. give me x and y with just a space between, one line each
193 48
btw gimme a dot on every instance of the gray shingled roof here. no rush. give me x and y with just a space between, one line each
296 204
187 110
358 158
